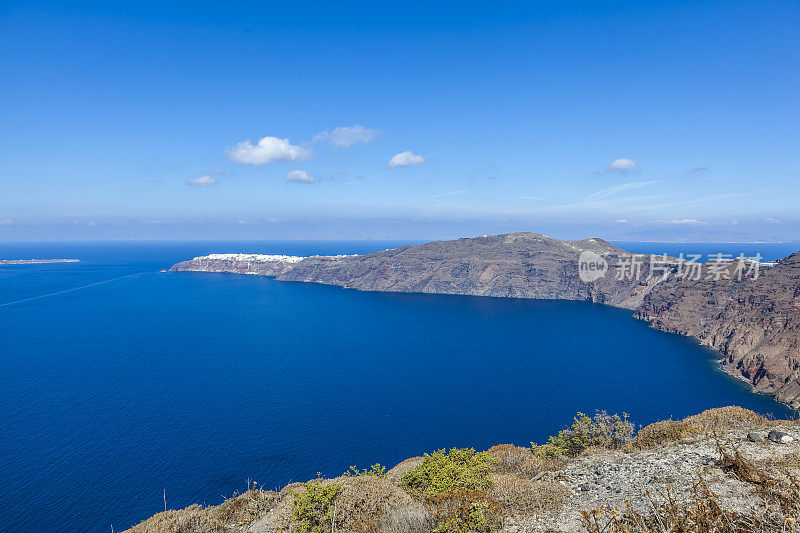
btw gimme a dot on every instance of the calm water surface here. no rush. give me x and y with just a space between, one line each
120 382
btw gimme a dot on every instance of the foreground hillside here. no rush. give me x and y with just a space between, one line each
726 469
753 321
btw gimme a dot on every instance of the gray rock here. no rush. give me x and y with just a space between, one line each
585 487
754 437
780 437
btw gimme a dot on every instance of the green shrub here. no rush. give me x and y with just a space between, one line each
454 486
442 472
604 430
376 470
311 509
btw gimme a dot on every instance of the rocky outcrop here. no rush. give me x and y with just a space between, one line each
753 323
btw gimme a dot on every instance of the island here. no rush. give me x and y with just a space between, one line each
36 261
753 320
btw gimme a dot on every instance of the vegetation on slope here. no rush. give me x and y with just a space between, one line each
514 489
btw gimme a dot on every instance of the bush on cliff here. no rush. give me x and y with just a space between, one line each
601 430
454 486
311 509
440 472
376 470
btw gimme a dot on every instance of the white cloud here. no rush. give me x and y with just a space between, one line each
347 136
404 159
6 222
772 220
621 221
623 165
202 181
300 176
268 150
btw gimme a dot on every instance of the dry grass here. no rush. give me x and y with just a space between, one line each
242 509
366 502
510 459
395 475
724 418
409 519
779 463
517 496
663 432
193 519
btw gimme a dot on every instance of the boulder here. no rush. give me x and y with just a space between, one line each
780 437
754 437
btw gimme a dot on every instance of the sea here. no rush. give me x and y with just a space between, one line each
123 386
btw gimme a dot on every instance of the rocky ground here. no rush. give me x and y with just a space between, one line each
735 453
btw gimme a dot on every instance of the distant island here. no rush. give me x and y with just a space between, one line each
36 261
744 310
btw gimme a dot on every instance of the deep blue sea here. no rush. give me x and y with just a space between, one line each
120 382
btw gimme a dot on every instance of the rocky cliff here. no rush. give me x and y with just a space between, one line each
515 265
754 323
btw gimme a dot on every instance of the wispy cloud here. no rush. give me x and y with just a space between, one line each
616 189
701 200
347 136
267 150
6 222
405 159
202 181
435 197
300 176
696 170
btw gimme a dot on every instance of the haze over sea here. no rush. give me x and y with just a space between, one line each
120 382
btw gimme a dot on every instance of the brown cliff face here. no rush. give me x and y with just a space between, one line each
754 323
516 265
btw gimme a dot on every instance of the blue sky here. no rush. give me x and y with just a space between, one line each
143 121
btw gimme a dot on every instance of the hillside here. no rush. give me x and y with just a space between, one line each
726 469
